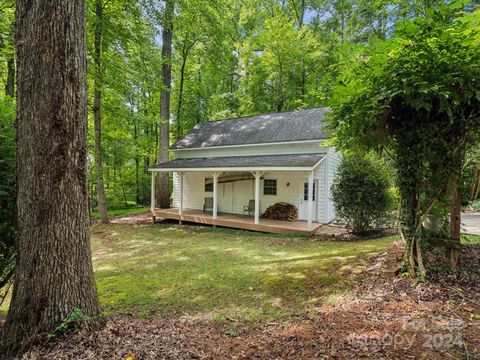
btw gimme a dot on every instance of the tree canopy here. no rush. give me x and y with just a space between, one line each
416 96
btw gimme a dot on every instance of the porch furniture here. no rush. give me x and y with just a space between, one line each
208 205
250 208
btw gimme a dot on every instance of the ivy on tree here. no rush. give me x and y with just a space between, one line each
417 97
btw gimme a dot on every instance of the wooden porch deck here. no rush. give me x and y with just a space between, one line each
235 221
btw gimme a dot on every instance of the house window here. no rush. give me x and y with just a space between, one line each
305 191
208 185
270 187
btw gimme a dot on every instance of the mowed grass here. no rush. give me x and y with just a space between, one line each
470 239
117 212
220 274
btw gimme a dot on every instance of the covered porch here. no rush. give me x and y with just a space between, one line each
242 169
235 221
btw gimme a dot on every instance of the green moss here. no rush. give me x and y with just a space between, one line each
219 274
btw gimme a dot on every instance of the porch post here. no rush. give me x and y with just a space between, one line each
257 175
310 201
152 194
180 208
215 186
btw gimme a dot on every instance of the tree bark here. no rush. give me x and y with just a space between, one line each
162 194
185 51
10 83
475 187
97 116
53 274
455 212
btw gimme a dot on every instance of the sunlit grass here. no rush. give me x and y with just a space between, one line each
470 239
217 274
220 274
117 212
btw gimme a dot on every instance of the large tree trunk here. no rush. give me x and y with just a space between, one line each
54 272
162 195
97 116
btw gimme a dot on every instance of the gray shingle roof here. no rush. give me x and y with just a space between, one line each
264 161
278 127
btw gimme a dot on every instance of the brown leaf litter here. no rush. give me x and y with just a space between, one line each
387 317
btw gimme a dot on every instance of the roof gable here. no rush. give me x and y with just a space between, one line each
298 125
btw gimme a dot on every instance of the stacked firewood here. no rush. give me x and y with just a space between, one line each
281 211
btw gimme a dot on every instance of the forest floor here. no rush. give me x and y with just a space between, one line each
190 292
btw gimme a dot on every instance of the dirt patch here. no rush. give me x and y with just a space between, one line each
385 317
133 219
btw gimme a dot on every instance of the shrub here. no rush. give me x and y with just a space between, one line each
7 192
361 193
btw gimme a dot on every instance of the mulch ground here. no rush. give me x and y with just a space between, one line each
387 317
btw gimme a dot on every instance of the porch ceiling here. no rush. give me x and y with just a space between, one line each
289 162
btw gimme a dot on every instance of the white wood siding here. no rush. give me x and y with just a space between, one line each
271 149
334 158
232 197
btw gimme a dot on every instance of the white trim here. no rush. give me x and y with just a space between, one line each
257 175
310 200
258 168
251 169
215 195
180 208
327 189
152 193
254 144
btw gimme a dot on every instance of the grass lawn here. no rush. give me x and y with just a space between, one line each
470 239
117 212
220 274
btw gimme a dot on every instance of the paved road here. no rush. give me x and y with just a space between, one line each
471 223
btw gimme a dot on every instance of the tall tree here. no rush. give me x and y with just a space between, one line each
54 274
97 107
163 195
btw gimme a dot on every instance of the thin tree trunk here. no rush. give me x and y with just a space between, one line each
137 165
10 83
162 193
475 187
97 104
185 52
455 212
53 274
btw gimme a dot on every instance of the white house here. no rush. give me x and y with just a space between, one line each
262 159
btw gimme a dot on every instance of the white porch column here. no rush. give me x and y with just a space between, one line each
152 194
310 201
180 208
257 175
215 186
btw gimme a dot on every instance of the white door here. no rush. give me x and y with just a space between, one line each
303 201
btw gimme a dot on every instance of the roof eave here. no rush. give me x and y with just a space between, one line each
253 168
246 145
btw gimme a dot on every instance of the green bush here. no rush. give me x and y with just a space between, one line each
362 193
7 189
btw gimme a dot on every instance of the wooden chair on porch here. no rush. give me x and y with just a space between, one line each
250 208
208 205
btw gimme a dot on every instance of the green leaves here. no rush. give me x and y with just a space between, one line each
361 193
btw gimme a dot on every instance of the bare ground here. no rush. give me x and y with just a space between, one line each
388 317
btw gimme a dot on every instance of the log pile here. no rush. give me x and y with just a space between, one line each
281 211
